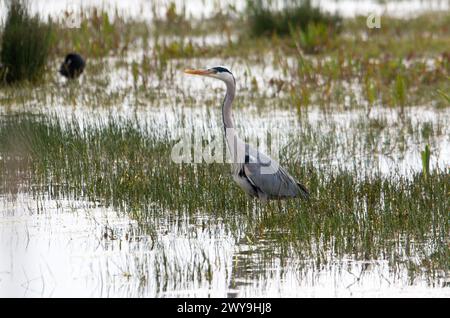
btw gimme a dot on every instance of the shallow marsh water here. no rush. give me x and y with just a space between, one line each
62 247
55 244
69 248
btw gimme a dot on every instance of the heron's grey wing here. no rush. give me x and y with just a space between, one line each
270 178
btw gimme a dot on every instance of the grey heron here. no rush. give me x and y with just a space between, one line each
257 174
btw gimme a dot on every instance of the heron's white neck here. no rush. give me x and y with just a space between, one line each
227 116
235 145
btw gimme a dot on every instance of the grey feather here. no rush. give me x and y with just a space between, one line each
271 180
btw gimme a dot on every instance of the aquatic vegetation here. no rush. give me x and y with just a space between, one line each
363 119
426 162
129 167
444 96
347 67
314 38
175 20
264 20
386 81
25 44
99 34
400 92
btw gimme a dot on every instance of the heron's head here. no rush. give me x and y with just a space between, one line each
216 72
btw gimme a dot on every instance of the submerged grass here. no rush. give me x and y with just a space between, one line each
125 165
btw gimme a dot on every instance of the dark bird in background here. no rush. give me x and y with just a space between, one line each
73 66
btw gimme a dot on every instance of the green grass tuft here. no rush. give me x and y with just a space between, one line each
264 20
121 164
25 45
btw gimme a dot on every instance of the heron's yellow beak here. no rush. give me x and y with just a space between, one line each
198 72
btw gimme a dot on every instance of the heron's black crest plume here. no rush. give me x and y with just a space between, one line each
220 69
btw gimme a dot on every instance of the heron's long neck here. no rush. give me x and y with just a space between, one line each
235 145
227 116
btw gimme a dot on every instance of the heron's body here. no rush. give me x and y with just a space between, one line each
257 174
267 186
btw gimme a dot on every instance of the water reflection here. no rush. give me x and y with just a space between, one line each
61 248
